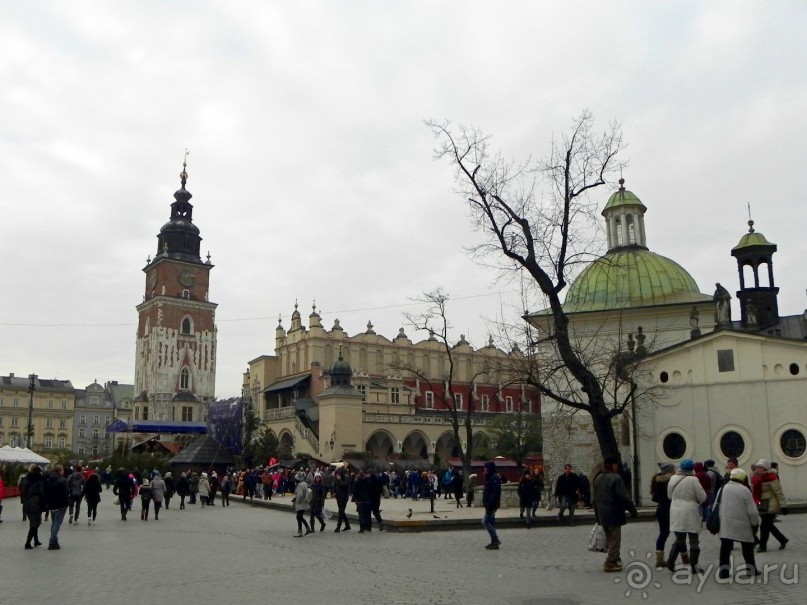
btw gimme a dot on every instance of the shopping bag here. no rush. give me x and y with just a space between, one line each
596 539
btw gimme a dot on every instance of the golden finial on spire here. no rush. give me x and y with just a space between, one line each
184 174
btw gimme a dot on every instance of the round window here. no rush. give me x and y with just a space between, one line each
794 369
664 377
732 444
675 446
793 443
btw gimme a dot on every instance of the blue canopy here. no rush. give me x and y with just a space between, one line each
157 426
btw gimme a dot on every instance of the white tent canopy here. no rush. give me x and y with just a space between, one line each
20 455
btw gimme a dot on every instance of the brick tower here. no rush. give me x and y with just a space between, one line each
175 366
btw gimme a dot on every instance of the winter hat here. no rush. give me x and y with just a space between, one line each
666 467
764 463
145 483
300 476
204 475
738 474
709 463
168 474
686 464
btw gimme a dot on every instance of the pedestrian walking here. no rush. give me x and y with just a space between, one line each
342 494
2 494
770 499
33 498
226 484
75 483
527 494
183 489
317 502
738 521
567 490
57 499
301 505
92 494
145 499
123 488
611 500
658 494
686 494
158 489
491 500
170 489
203 489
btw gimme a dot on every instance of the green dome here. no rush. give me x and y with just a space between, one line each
752 238
622 197
631 277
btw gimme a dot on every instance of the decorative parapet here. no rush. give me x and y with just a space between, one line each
279 413
418 419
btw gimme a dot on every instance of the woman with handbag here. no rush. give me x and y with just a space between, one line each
770 501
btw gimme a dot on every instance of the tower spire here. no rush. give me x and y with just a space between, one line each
183 176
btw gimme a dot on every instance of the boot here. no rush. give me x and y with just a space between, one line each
660 562
685 558
36 538
28 541
673 556
694 555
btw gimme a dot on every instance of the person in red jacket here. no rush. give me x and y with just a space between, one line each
706 484
770 501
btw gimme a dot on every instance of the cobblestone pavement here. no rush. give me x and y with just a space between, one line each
248 553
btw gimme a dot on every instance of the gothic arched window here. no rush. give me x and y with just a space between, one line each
185 379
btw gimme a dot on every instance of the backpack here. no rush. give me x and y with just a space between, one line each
717 480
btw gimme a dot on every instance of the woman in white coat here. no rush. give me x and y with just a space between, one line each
738 520
686 495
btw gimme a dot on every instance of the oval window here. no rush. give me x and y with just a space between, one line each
732 444
664 377
793 443
794 369
675 446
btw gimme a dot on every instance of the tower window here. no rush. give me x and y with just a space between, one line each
185 379
186 294
186 325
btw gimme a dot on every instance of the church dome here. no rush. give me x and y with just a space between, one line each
631 277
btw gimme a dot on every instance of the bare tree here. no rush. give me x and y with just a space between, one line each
434 320
536 219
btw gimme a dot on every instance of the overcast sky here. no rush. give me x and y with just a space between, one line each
313 175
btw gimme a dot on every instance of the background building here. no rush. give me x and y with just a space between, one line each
327 393
175 367
713 387
48 403
96 408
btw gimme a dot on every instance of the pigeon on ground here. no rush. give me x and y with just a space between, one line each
409 516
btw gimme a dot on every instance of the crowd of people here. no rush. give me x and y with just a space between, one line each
746 508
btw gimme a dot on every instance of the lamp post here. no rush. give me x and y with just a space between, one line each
31 388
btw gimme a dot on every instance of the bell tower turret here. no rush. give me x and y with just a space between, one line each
758 295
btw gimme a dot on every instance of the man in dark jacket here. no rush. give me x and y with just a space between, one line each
362 496
567 489
611 498
57 498
124 490
75 485
491 500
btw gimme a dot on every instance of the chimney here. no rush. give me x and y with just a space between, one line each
11 374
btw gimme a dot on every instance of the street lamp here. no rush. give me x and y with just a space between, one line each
31 388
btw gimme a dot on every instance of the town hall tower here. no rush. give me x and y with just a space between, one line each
175 366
